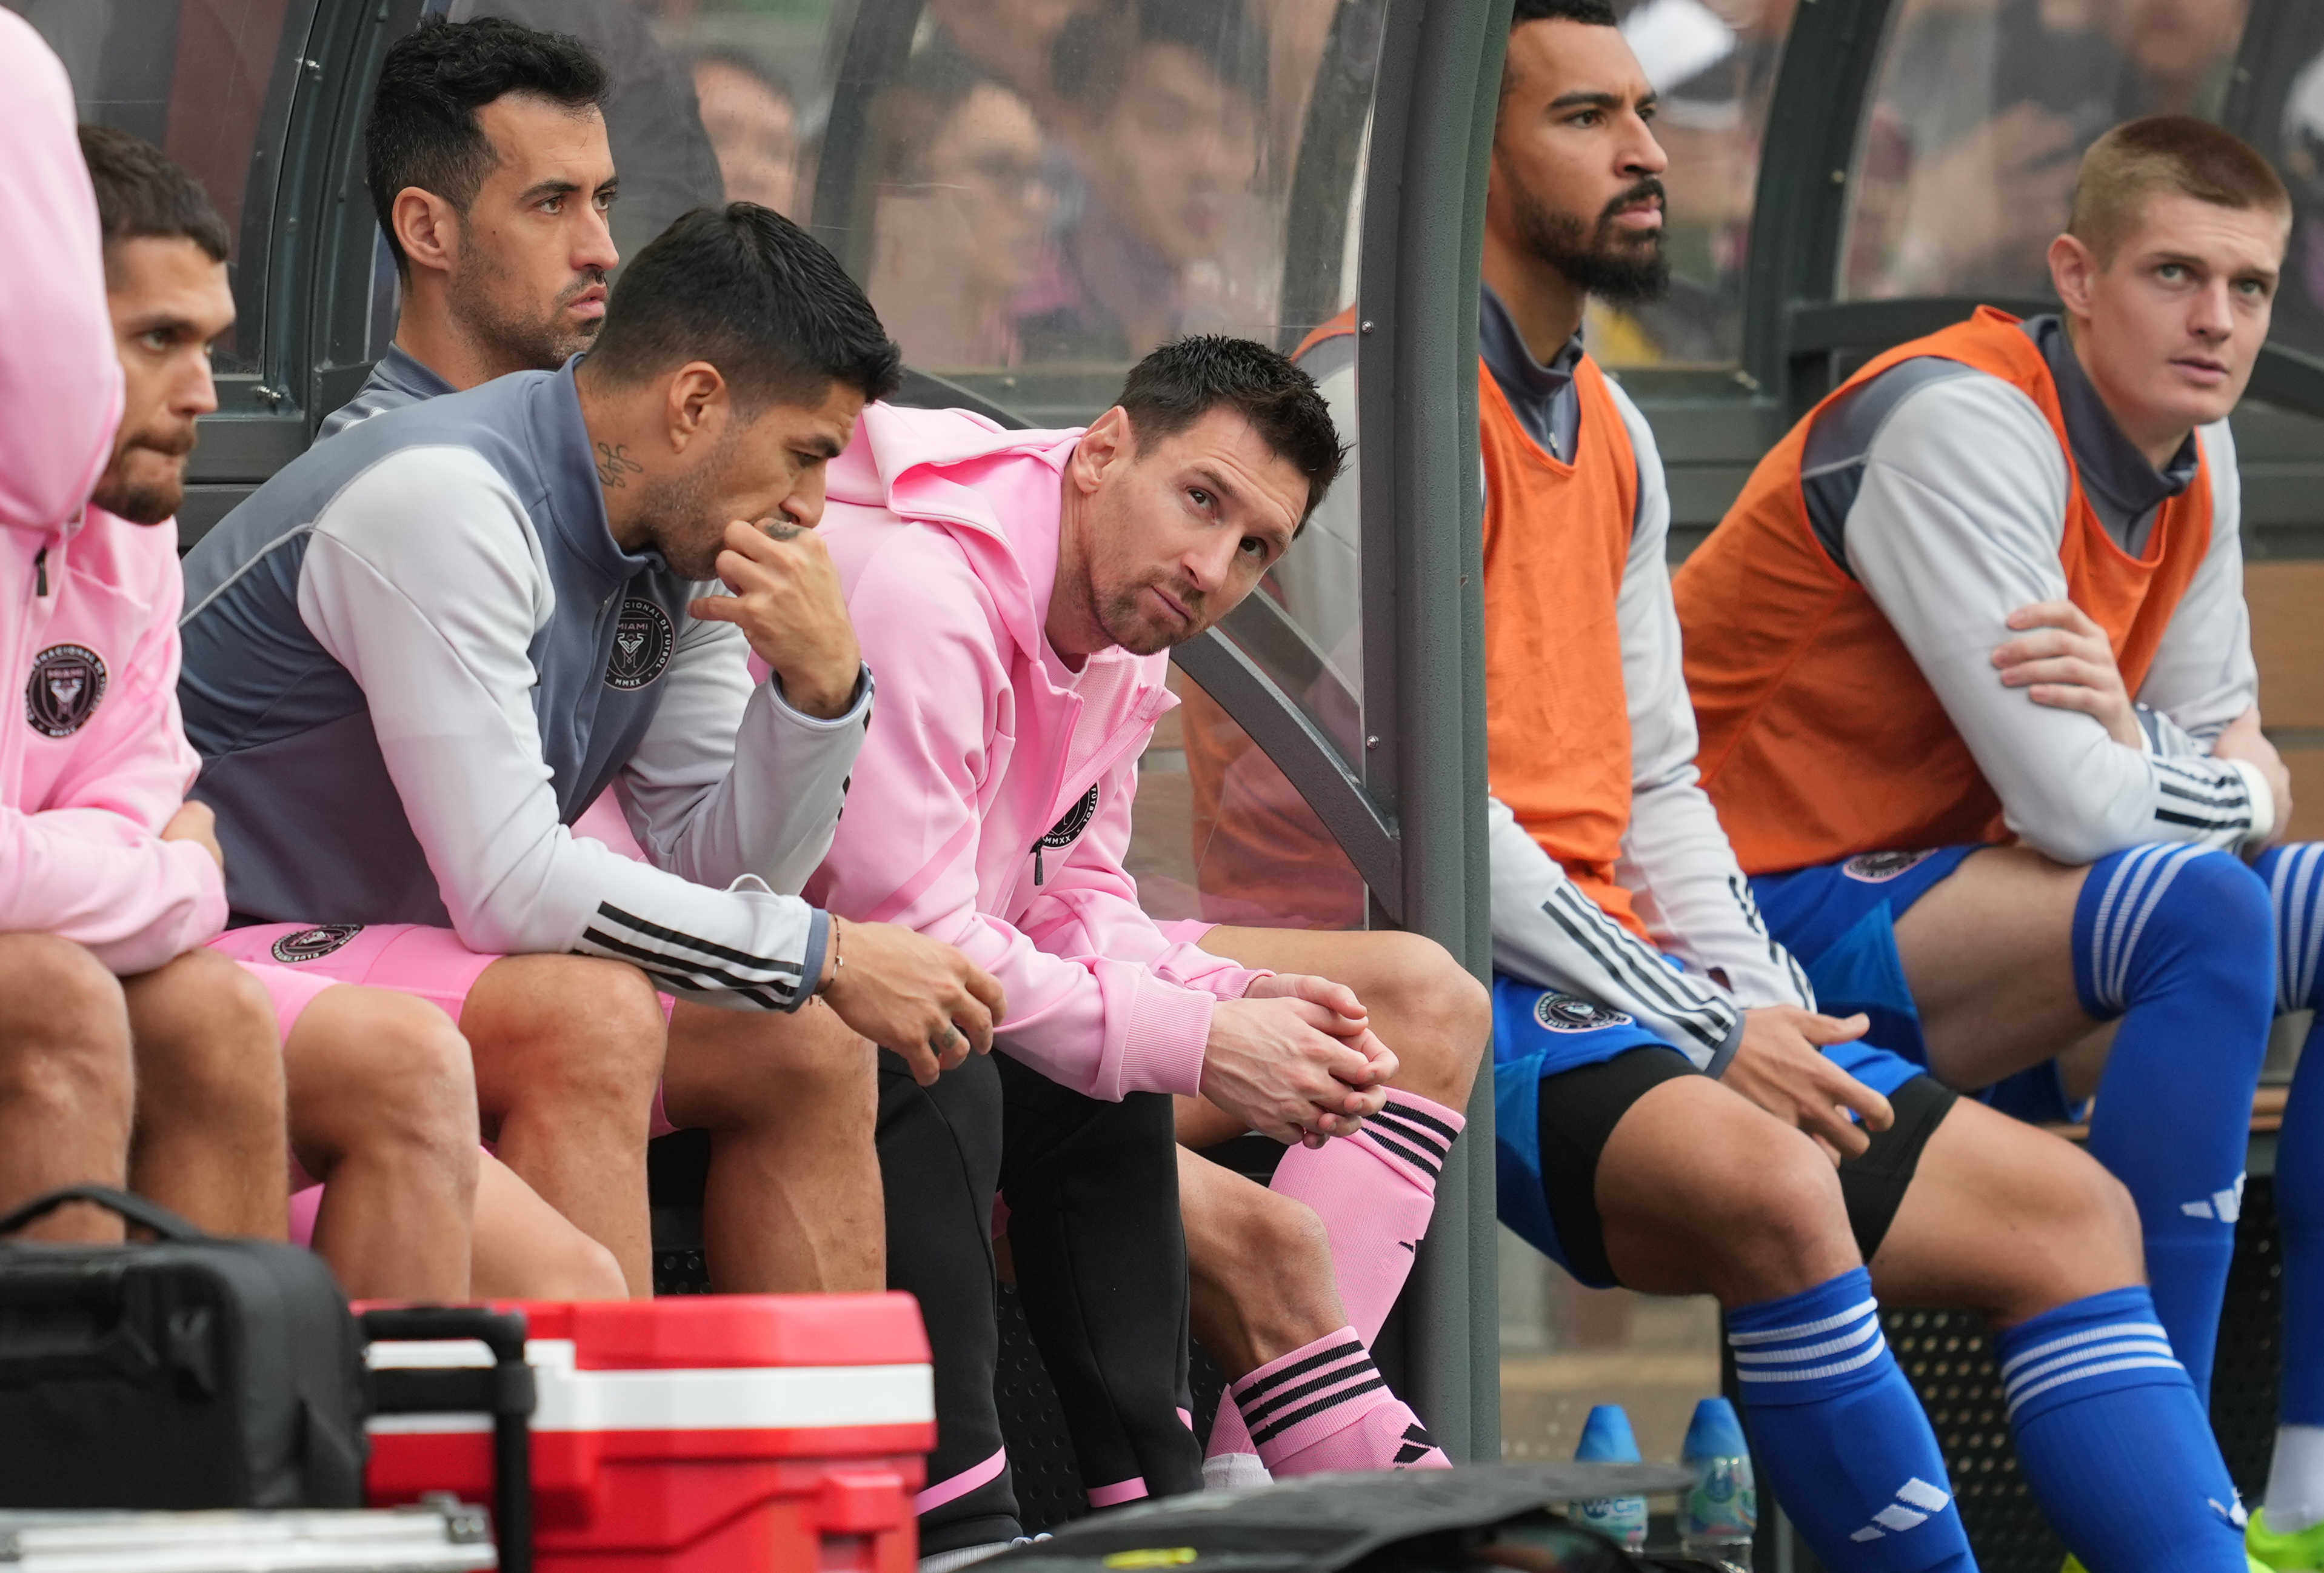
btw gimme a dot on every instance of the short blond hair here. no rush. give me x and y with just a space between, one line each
2141 158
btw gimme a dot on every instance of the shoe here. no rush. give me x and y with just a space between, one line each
2250 1565
2302 1551
1234 1472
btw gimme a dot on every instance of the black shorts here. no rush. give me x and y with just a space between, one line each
1579 1109
1100 1259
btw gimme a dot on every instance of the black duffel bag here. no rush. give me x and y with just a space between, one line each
191 1372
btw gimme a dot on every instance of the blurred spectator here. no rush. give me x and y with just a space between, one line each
1714 63
964 212
1983 114
2300 300
1012 41
1163 100
753 123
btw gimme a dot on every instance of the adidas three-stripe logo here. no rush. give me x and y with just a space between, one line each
2130 896
2226 1206
1417 1444
2121 1345
1916 1503
1274 1402
1811 1351
687 962
1421 1140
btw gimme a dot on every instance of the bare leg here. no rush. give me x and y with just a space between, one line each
794 1203
383 1111
1990 954
66 1081
525 1250
209 1139
1261 1265
2007 1219
568 1051
1699 1192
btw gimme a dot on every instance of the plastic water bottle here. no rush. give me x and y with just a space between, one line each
1719 1511
1606 1439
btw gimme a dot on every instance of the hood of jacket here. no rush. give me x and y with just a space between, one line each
59 374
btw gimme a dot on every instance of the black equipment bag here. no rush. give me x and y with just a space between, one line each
193 1372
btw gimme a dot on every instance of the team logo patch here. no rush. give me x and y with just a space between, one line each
1568 1013
312 944
1879 868
1064 834
61 693
642 642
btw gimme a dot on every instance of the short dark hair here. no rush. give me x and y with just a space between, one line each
423 131
1092 51
1589 13
142 195
746 290
1187 379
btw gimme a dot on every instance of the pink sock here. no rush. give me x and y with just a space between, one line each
1375 1191
1325 1406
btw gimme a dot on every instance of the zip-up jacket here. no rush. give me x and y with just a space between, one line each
992 806
93 761
417 654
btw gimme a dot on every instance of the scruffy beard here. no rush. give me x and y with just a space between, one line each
539 344
681 521
1617 267
146 501
1127 624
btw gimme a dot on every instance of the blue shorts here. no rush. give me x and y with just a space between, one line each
1539 1034
1839 920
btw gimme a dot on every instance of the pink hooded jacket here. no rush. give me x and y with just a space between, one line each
92 759
990 805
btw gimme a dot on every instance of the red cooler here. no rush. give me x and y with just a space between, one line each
701 1434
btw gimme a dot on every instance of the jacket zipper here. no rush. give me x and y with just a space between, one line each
1116 746
41 573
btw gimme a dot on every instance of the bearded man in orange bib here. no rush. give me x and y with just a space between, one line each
1675 1112
1973 672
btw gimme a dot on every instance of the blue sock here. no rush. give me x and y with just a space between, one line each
1840 1435
2119 1453
2178 941
2295 883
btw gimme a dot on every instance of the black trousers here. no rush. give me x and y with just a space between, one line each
1101 1260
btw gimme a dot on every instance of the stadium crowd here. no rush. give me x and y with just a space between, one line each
623 720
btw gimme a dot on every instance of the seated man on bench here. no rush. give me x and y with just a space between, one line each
1973 670
417 652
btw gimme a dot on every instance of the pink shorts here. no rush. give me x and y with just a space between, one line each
297 962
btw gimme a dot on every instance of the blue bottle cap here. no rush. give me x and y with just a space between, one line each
1714 1432
1606 1437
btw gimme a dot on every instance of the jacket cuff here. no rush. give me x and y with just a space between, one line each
2263 803
859 704
819 941
1162 1049
1725 1054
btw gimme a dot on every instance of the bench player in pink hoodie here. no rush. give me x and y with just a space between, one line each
109 1014
1017 593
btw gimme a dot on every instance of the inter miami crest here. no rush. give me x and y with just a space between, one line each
61 695
642 642
310 944
1066 831
1568 1013
1879 868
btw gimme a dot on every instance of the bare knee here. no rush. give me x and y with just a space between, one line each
805 1076
1752 1212
1448 1016
1261 1265
392 1080
207 1046
592 1040
2077 1234
572 1266
64 1032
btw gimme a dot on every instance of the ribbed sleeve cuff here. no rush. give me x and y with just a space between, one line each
1170 1028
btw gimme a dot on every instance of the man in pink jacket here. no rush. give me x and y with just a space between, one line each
1017 593
109 880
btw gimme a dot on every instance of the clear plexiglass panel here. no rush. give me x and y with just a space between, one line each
1981 112
1712 64
209 83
